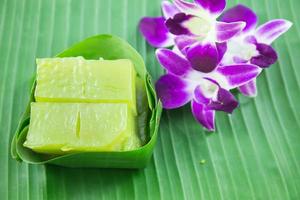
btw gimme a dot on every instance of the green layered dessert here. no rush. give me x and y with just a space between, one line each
83 106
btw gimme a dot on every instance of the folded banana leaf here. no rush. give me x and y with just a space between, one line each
149 110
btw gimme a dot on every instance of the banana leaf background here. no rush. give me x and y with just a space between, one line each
254 154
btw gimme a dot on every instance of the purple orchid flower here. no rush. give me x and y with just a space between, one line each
252 45
210 57
198 78
185 23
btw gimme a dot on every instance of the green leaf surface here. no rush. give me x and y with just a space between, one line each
253 155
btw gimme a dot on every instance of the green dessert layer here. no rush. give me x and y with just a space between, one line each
59 128
75 79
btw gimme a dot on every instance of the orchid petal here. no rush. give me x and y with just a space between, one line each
225 102
203 115
271 30
239 60
222 48
241 13
232 76
203 57
267 56
155 31
177 51
173 91
187 7
225 31
172 62
183 42
200 97
212 6
169 9
249 89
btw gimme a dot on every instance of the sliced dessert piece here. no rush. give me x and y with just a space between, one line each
75 79
52 126
58 128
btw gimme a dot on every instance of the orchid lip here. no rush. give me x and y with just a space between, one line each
214 97
267 56
226 102
174 24
206 92
187 24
